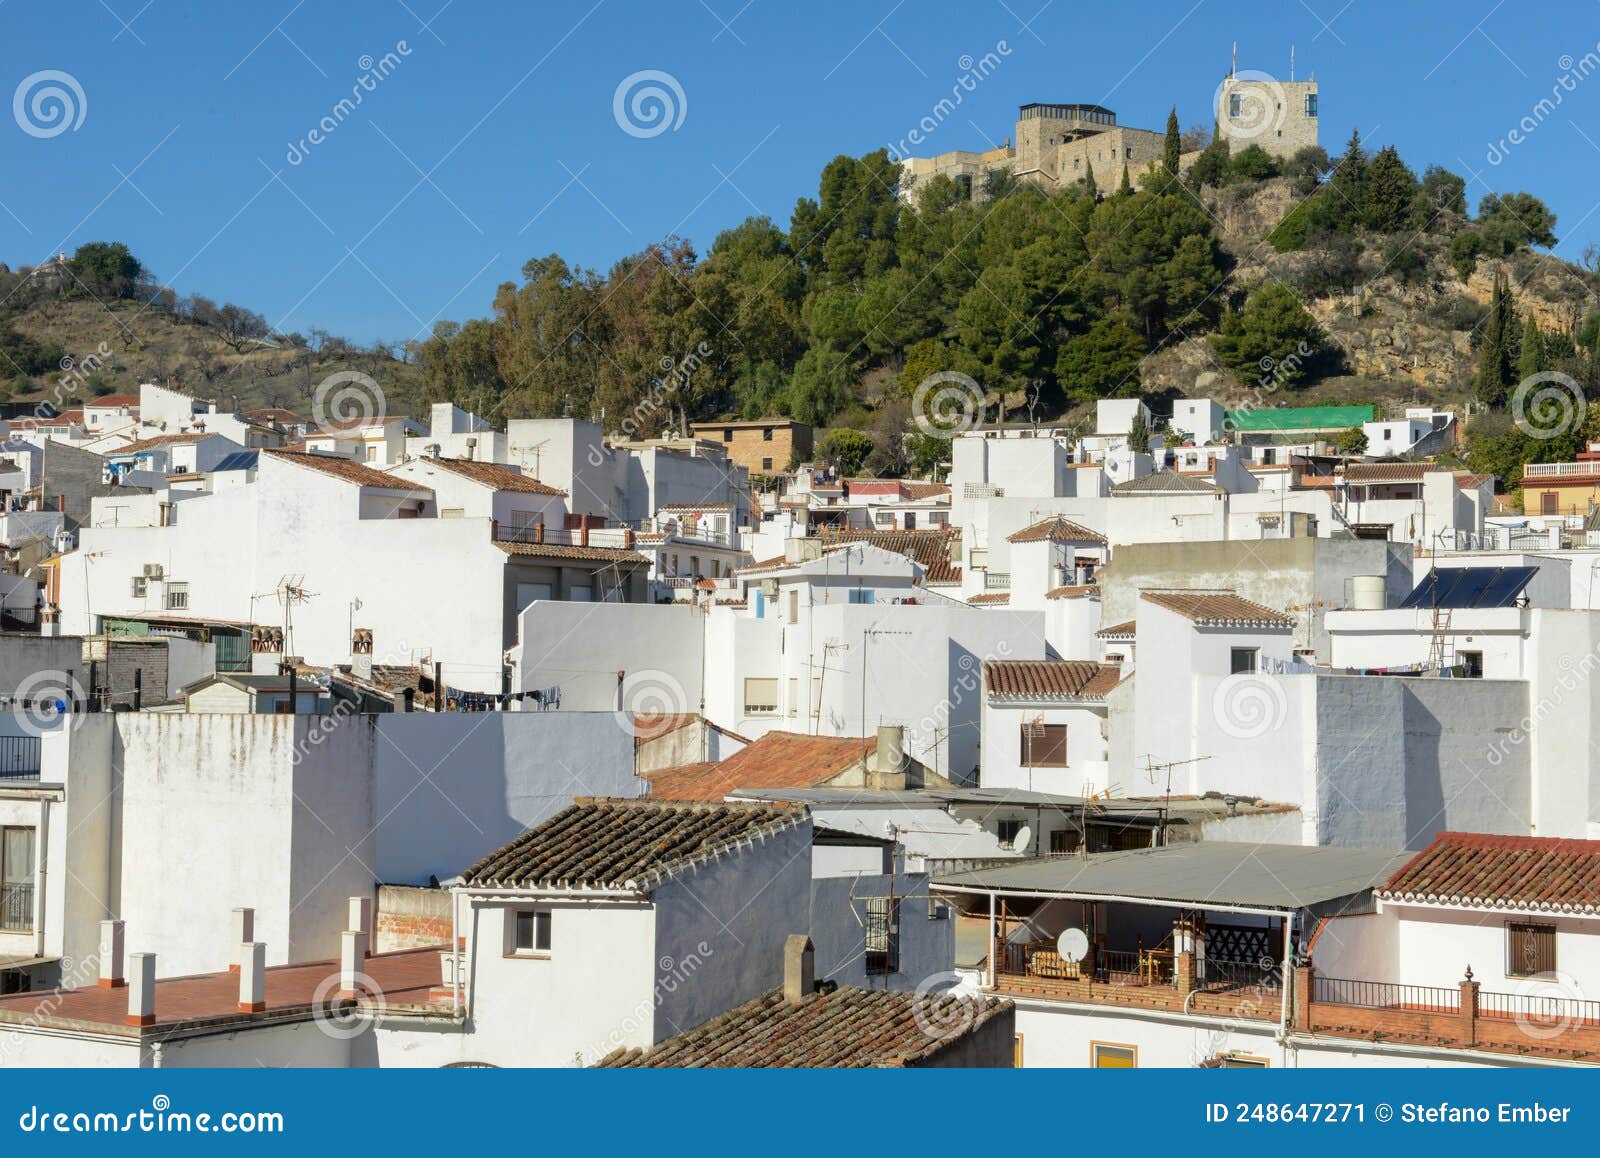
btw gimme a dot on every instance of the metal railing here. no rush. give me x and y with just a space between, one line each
1241 975
1554 1011
19 757
1386 995
16 908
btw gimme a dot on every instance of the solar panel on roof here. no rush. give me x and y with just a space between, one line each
1456 587
239 460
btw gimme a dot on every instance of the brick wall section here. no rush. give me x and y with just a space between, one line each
410 918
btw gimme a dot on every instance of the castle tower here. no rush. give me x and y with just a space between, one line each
1256 109
1041 128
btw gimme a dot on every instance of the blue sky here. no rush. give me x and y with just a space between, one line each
492 137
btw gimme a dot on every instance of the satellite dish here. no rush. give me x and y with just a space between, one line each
1023 838
1073 945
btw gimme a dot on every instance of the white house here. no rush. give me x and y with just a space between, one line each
1045 725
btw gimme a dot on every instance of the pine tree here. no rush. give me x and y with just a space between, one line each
1388 191
1530 358
1347 187
1172 150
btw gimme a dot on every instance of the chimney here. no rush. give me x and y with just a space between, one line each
112 934
141 989
401 700
253 977
627 538
242 931
799 968
361 918
352 954
890 770
361 664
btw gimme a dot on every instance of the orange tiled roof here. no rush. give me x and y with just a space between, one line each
112 400
776 760
1219 608
1502 872
929 548
1365 472
158 440
1056 530
578 553
1072 591
847 1028
1052 678
990 599
346 470
1117 629
494 475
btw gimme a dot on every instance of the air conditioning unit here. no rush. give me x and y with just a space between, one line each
154 571
769 588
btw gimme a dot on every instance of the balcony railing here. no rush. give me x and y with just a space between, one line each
997 581
16 908
1386 995
1551 1013
19 757
1560 469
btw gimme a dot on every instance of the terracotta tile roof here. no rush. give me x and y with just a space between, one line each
494 475
772 564
1366 472
276 414
990 599
1466 480
581 554
1502 872
1222 608
925 490
1166 482
405 979
158 440
776 760
1052 678
1056 530
849 1028
696 507
631 844
346 470
1117 629
1072 591
929 548
112 400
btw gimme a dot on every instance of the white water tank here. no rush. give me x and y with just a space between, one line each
1367 592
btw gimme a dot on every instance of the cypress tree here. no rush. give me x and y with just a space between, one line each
1172 150
1088 179
1347 186
1139 434
1127 185
1530 358
1495 360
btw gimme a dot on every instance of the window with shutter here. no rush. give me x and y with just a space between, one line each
1044 745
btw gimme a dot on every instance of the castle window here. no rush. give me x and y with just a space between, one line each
1235 105
1311 104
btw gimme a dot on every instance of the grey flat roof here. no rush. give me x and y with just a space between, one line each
909 797
1221 873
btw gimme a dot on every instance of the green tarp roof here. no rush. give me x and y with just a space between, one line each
1300 418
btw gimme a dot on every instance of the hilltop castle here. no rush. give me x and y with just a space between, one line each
1056 145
